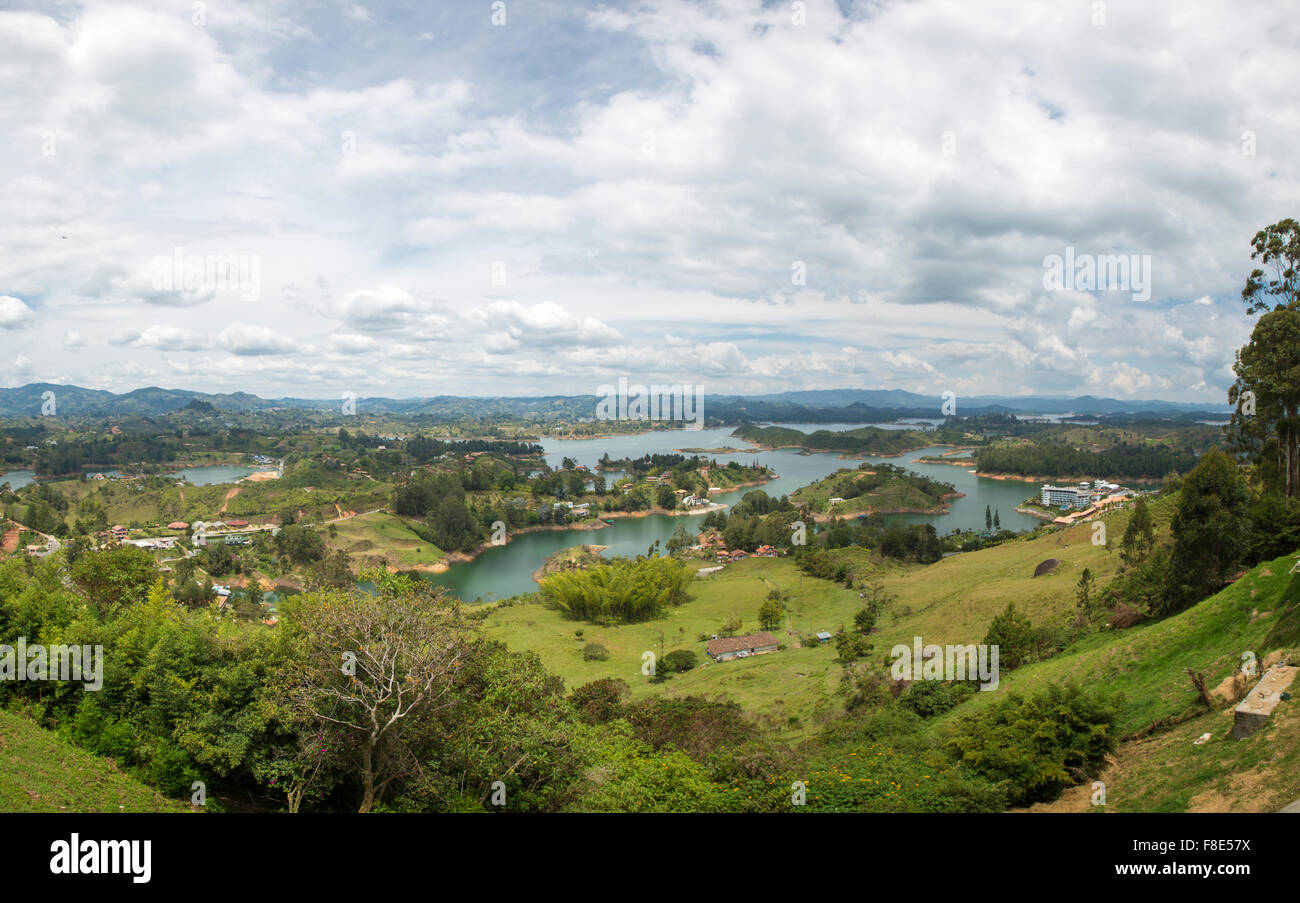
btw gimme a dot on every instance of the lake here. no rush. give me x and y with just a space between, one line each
211 475
199 476
17 479
507 570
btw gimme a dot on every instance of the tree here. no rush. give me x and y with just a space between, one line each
1084 601
115 577
301 768
1211 530
988 518
877 597
864 622
770 614
334 570
850 646
681 539
665 497
1012 633
1268 367
997 521
1266 395
1277 246
375 669
1139 535
218 558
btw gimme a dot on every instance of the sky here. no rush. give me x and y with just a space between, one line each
523 198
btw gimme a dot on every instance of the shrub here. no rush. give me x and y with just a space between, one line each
1033 747
928 698
878 777
599 701
1124 616
594 652
850 646
677 661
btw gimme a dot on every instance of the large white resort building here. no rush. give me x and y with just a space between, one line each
1080 496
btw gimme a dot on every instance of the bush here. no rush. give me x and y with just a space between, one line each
594 652
600 700
928 698
1031 748
1124 616
879 777
677 661
618 591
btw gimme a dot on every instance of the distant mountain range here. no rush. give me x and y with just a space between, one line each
1018 404
829 405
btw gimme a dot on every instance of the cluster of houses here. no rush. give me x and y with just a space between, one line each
713 542
154 543
232 532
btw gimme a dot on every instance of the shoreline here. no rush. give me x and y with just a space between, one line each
747 483
965 462
444 564
944 507
539 573
1014 477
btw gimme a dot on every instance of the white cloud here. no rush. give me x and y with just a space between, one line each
14 314
243 339
649 204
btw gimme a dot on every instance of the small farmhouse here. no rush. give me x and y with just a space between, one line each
741 646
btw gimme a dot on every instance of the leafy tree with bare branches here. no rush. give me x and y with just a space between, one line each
375 671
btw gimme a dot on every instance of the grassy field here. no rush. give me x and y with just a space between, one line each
950 601
1148 663
378 534
41 773
793 682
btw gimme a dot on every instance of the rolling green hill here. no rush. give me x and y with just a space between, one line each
950 601
1157 767
41 773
